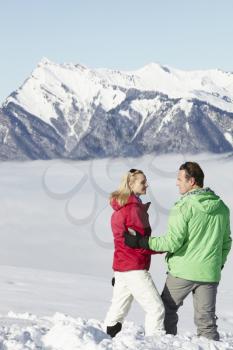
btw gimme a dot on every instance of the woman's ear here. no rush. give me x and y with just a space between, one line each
131 185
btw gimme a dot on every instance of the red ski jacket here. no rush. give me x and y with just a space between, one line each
133 214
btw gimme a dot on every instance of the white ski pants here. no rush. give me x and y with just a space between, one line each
136 285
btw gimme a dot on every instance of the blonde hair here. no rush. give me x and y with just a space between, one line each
123 192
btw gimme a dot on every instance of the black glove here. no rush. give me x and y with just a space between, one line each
113 281
137 241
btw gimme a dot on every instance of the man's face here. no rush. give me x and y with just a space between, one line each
183 183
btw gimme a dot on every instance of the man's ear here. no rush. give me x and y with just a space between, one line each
192 180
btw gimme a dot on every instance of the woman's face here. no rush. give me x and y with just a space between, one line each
139 184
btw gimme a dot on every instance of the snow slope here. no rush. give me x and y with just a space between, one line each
56 253
62 332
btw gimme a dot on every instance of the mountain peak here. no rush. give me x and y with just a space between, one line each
45 61
153 66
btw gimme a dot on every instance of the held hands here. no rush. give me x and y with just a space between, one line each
135 240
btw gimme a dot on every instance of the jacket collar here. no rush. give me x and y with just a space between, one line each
197 191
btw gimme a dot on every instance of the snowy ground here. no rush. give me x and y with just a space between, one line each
56 254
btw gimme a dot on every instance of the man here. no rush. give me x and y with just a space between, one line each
198 242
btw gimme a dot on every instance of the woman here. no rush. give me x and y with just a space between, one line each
132 279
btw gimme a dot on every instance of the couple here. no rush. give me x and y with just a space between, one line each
197 243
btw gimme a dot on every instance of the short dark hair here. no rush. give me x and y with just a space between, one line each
194 170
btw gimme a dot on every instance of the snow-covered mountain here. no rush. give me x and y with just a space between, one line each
71 111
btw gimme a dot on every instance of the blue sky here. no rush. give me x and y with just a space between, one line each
122 34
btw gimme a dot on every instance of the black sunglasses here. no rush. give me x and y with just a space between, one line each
133 170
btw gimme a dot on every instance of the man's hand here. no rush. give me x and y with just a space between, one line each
136 241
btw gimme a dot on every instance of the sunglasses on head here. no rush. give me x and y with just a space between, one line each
133 170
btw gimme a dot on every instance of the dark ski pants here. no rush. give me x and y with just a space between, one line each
204 300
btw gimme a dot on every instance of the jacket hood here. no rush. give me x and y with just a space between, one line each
205 199
131 200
